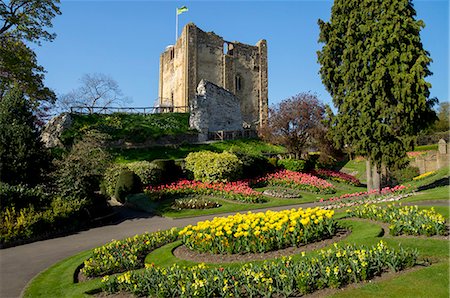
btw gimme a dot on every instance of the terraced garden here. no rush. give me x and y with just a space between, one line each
366 250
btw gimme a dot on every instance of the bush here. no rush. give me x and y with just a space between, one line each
127 183
254 165
148 173
296 165
31 222
20 196
209 166
110 178
406 174
79 174
170 171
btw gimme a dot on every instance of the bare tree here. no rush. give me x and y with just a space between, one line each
96 93
294 122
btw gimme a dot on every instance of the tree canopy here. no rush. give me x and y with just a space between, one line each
374 66
22 21
295 122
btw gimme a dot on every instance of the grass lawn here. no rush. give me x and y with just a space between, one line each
163 208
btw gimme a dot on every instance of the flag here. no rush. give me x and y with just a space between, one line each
181 10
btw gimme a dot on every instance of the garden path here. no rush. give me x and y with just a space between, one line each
18 265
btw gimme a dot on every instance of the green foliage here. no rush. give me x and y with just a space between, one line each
127 127
253 165
195 202
20 196
30 222
406 174
110 178
296 165
80 172
22 156
374 66
127 183
209 166
443 122
149 173
168 170
248 146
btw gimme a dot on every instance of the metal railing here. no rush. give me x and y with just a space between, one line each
223 135
127 110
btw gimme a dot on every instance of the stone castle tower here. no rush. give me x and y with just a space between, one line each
239 68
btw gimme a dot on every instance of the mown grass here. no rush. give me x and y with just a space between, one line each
249 146
163 208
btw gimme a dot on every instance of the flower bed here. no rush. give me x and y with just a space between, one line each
407 220
194 203
238 191
336 176
424 175
283 277
119 256
286 193
259 232
387 194
301 181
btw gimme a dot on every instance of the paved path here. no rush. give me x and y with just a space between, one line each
18 265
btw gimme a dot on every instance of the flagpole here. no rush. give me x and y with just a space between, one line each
176 25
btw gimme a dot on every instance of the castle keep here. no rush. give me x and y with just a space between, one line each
238 68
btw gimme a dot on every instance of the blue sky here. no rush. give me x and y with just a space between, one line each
125 38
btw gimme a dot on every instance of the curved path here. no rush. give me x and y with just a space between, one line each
18 265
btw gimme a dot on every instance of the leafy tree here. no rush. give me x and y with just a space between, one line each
96 93
22 156
80 171
19 67
28 19
25 20
442 124
295 122
374 66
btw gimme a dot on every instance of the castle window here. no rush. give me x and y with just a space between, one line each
238 83
228 48
172 54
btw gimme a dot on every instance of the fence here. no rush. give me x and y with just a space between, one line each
222 135
128 110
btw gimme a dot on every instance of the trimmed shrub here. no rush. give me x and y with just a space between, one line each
110 178
170 171
127 183
209 166
148 173
254 165
296 165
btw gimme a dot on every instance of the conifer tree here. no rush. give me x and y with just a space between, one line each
22 156
374 66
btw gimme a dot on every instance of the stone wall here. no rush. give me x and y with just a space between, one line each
433 160
214 109
53 129
239 68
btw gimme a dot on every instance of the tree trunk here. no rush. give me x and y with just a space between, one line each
376 178
369 174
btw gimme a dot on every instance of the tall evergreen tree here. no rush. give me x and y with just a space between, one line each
22 156
374 66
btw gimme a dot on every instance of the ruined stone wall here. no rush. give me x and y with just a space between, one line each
234 66
214 109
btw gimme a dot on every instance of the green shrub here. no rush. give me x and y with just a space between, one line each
127 183
170 171
148 173
80 172
30 222
21 196
405 175
209 166
254 165
296 165
273 161
110 178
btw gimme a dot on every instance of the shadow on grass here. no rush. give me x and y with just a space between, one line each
441 182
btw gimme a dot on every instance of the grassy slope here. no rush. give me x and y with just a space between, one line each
250 146
130 127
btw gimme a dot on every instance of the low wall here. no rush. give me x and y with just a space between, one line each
433 160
